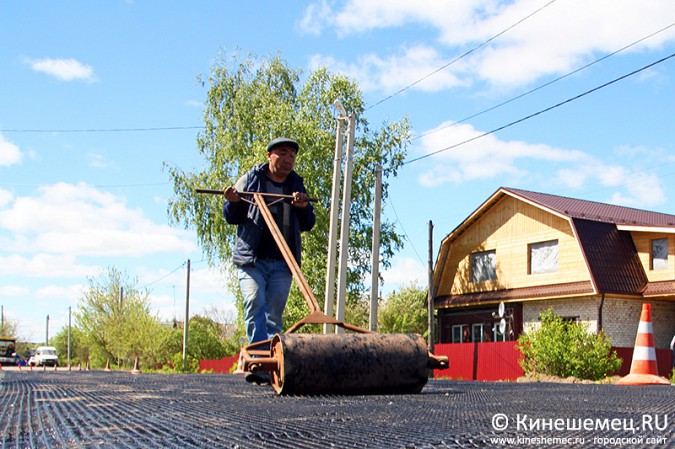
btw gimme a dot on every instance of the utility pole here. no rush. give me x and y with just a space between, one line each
430 292
187 318
333 225
344 224
375 253
69 316
47 332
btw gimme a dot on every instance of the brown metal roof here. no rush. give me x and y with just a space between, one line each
591 210
611 257
544 291
661 288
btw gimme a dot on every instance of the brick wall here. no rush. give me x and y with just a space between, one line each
620 317
586 309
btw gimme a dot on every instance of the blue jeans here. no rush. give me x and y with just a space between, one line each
265 287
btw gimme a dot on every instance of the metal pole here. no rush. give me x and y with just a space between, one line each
430 292
47 332
187 318
333 226
69 323
375 261
344 225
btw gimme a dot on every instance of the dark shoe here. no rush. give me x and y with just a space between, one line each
258 378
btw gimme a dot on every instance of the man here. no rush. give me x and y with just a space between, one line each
264 276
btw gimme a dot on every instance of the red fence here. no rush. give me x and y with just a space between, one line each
499 361
222 366
480 361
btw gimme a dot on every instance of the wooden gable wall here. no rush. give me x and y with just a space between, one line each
508 227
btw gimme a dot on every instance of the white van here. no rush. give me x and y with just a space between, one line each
44 356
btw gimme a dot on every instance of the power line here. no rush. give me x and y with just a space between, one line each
101 130
404 231
569 100
459 57
545 84
165 276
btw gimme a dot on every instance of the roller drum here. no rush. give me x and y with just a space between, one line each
349 363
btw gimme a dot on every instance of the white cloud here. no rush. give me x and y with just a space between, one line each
208 288
13 290
63 69
394 71
76 220
483 158
72 292
97 160
404 271
316 16
44 266
6 197
635 188
553 41
488 157
9 153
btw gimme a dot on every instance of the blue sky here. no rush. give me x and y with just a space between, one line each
94 96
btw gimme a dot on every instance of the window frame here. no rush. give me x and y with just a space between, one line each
539 245
663 262
488 255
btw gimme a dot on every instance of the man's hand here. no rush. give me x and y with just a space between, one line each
300 199
231 194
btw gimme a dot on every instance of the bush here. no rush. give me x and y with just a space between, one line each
566 348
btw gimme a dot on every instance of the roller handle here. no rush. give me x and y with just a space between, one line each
274 195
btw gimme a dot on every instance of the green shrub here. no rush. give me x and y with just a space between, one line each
565 348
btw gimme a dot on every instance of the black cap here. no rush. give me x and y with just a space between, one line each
283 141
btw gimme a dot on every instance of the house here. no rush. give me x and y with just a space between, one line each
591 262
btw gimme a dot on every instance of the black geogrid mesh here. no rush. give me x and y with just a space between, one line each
94 409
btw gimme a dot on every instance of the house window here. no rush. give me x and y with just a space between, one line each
477 332
498 336
544 257
660 254
484 266
457 333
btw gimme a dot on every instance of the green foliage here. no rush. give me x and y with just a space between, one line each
405 312
78 350
565 348
117 324
176 365
8 328
253 100
204 341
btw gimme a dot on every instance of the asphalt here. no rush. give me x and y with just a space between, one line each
97 409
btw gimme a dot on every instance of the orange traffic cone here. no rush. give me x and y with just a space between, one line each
240 364
136 369
643 368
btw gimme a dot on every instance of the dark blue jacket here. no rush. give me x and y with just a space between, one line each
250 222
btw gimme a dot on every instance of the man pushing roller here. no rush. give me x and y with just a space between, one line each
264 276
